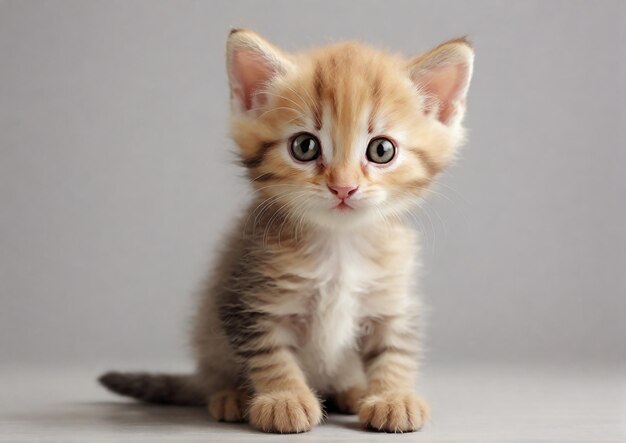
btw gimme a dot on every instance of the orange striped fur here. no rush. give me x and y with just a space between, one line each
312 297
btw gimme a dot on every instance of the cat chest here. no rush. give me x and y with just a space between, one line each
342 278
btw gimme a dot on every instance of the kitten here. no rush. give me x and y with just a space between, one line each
312 296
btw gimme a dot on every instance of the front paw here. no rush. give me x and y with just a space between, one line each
285 411
393 412
228 405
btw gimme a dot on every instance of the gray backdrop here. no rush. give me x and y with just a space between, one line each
117 178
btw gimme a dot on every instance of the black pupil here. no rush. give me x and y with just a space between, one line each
306 145
381 149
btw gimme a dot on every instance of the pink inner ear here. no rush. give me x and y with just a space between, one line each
446 83
252 72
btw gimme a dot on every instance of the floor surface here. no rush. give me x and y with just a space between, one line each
482 404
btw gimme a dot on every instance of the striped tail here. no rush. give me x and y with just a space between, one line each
164 389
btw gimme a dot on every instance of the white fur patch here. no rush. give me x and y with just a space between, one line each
342 276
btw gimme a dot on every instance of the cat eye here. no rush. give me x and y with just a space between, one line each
381 150
305 147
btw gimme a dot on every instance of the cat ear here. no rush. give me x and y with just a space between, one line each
443 75
252 64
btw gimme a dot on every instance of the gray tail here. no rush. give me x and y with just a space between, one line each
164 389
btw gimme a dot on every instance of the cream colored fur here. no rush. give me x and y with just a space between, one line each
313 295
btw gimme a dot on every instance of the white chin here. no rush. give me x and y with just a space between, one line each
342 218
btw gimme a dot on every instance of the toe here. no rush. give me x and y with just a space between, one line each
393 412
285 412
226 405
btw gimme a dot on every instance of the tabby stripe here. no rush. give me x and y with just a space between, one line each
376 103
419 183
266 177
431 166
266 367
376 353
257 159
258 352
332 93
318 86
282 379
391 368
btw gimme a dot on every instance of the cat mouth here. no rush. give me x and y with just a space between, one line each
343 206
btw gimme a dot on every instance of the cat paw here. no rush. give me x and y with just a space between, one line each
393 412
228 405
285 411
348 401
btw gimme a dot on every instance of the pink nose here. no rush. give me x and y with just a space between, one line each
343 192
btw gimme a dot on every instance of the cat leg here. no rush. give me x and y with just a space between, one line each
282 402
389 356
218 373
229 405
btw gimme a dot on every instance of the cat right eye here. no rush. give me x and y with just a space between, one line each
305 147
381 150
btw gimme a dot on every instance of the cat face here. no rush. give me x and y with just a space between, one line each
345 135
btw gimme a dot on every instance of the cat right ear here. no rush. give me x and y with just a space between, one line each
443 76
253 64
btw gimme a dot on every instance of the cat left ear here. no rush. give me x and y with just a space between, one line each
443 75
253 64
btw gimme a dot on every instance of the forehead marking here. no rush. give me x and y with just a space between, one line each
318 87
376 91
349 102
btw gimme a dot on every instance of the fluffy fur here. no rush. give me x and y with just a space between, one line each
310 300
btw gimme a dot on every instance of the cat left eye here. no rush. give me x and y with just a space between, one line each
305 147
381 150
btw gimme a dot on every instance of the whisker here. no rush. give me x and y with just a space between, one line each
294 210
299 96
314 104
272 200
414 200
258 177
276 214
458 207
430 205
285 123
263 203
453 190
284 98
278 108
276 185
441 194
301 223
382 216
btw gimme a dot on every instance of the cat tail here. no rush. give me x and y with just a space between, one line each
164 389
